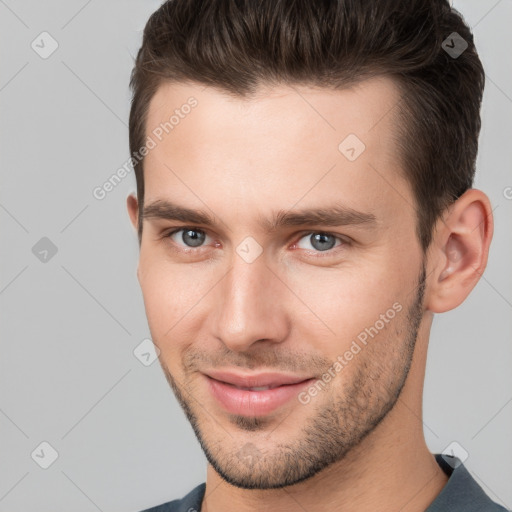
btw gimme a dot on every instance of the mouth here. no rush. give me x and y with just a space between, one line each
266 380
255 395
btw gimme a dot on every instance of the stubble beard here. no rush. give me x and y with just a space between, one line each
326 436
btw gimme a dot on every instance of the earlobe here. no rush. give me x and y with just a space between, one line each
132 206
461 249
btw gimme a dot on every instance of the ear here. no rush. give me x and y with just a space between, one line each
133 210
459 251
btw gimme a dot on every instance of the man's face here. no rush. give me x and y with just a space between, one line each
238 297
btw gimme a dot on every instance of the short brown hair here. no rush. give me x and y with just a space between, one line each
237 45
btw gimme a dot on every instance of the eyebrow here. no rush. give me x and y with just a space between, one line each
336 215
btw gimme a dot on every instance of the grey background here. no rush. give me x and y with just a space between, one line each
68 375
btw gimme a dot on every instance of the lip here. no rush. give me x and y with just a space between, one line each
254 403
256 380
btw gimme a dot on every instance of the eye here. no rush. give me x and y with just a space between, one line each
190 238
320 241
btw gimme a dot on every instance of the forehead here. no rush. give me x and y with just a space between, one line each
365 107
282 145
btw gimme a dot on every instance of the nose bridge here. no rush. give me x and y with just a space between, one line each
248 308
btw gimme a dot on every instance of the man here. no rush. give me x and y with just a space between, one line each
304 208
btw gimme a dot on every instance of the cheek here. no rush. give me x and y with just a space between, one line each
167 294
174 301
344 302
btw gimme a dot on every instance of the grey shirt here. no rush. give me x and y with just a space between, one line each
460 494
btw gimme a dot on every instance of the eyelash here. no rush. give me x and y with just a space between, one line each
316 254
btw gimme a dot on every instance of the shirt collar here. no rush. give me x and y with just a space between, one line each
461 492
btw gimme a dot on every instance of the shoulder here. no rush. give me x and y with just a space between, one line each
189 503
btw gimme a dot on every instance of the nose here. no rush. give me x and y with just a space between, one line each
250 306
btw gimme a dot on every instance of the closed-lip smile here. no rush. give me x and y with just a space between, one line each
256 380
256 394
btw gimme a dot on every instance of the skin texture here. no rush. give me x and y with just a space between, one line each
358 444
